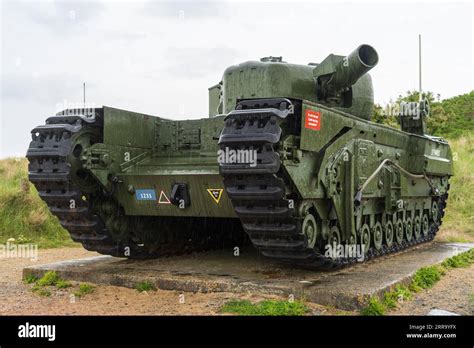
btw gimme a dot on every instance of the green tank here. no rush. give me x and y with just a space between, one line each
288 154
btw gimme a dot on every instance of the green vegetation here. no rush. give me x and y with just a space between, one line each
145 286
450 118
424 278
458 223
50 278
30 279
267 307
461 260
23 215
399 294
48 281
41 291
62 284
453 117
84 289
23 240
374 307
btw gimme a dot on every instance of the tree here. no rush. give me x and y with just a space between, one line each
449 118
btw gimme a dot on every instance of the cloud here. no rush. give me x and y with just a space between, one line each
126 36
51 88
197 62
185 9
60 16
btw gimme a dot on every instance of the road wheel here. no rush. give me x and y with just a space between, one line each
417 227
334 236
425 225
389 232
310 229
378 235
399 229
435 211
409 229
365 238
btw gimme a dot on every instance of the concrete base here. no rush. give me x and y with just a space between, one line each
220 271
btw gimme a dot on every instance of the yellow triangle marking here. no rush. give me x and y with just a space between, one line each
216 194
163 198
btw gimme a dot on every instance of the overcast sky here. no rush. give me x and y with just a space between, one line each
160 57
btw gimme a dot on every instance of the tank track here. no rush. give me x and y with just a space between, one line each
259 197
50 154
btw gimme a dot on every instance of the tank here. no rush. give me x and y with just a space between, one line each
288 155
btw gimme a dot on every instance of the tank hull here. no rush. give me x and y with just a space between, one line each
295 166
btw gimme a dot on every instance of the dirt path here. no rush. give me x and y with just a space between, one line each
16 298
454 292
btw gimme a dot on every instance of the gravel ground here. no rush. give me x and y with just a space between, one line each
16 298
454 292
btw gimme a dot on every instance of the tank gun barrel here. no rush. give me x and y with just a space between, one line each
347 71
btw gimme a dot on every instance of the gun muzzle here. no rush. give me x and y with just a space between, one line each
351 68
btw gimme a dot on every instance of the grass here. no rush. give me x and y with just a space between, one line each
41 291
458 222
423 278
374 307
84 289
399 294
461 260
23 215
145 286
62 284
426 277
50 280
30 279
266 307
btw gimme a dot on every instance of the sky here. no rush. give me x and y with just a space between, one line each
159 57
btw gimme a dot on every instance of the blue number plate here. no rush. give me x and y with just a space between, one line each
145 195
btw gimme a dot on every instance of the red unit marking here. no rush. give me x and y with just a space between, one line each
313 120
